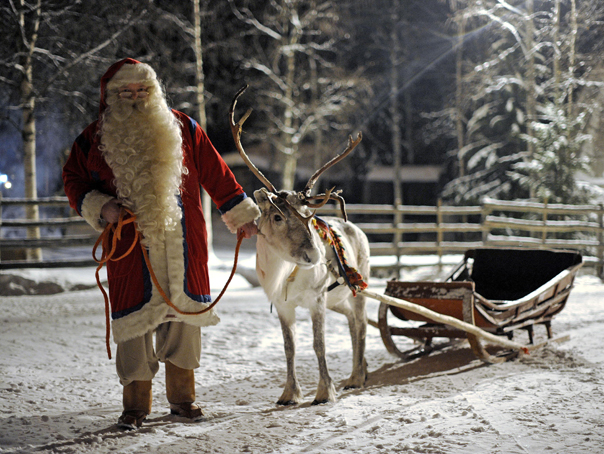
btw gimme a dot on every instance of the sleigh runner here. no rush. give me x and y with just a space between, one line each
497 290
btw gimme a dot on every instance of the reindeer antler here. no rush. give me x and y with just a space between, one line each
236 129
304 195
271 192
329 195
351 145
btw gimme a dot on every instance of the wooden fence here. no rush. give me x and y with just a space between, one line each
67 231
394 231
443 230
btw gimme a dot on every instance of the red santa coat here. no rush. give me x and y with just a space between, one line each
180 262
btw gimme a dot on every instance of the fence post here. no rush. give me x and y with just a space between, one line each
439 232
0 224
398 237
600 266
544 234
483 222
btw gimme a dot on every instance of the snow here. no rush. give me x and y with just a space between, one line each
59 393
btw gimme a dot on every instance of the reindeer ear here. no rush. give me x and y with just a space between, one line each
261 196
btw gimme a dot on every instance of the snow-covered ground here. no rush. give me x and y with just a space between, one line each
59 392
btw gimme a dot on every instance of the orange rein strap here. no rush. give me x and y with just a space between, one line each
107 255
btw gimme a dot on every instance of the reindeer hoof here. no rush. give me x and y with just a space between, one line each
354 384
357 380
287 402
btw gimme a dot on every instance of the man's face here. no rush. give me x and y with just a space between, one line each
133 91
131 99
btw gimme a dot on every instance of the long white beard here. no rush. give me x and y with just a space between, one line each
142 143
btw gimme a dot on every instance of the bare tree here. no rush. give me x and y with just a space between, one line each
39 53
26 46
289 49
403 56
180 41
201 112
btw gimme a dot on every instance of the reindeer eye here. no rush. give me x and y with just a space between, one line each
277 218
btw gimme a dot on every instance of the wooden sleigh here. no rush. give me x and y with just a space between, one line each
498 290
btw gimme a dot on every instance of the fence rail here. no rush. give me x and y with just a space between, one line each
392 230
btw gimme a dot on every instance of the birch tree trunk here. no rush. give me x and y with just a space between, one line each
407 93
395 51
318 136
557 55
459 127
394 106
206 201
572 53
290 148
28 129
530 77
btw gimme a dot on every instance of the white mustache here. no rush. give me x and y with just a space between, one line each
124 109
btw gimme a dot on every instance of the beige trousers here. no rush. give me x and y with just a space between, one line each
177 342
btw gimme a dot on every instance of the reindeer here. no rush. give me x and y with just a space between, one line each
296 267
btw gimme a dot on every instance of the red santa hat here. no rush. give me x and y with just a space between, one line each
124 72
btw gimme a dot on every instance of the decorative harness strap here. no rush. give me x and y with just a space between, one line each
346 273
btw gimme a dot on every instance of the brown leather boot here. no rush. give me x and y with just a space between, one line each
137 405
180 389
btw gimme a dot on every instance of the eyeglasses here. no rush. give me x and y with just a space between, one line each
140 93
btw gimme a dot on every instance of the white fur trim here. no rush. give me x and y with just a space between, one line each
140 322
91 208
242 213
140 73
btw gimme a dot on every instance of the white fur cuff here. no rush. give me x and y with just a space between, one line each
242 213
91 208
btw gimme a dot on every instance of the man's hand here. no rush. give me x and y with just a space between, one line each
248 230
111 211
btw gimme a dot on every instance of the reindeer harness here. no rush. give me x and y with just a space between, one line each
344 273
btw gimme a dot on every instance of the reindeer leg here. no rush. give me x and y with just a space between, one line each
326 391
292 394
357 323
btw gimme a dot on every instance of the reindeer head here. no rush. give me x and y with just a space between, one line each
286 203
287 236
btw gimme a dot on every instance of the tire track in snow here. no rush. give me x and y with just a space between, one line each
477 408
334 438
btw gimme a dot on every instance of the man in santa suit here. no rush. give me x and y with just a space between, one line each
152 160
